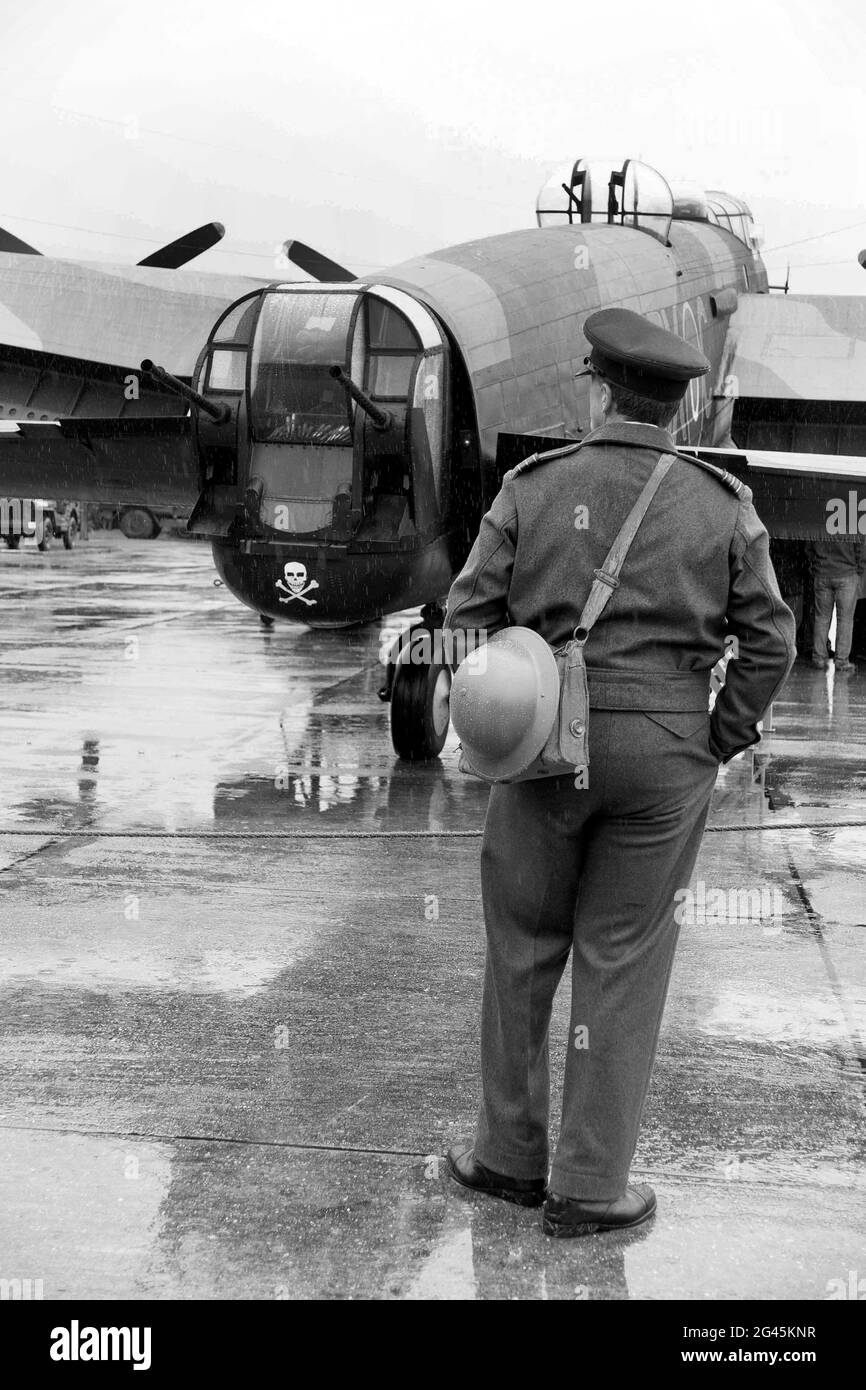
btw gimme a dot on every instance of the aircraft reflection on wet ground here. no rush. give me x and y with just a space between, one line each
145 696
240 980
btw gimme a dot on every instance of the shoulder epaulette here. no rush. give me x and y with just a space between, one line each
735 485
545 457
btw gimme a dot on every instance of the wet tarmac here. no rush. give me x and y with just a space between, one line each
241 971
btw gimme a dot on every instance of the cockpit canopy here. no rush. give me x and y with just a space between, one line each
596 190
735 216
695 204
690 202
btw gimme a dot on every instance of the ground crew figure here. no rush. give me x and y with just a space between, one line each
837 564
593 872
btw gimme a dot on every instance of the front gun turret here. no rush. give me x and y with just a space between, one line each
218 413
381 419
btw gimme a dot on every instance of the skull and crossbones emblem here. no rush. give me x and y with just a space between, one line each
296 585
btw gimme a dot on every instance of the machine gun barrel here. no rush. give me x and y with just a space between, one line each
382 419
220 413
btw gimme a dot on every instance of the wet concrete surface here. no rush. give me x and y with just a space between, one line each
241 970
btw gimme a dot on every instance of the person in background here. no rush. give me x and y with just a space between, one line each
837 564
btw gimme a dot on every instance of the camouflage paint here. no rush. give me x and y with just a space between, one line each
515 305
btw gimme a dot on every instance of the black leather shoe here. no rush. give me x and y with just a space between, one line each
564 1216
464 1168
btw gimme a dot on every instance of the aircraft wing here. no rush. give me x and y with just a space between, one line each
796 495
798 347
795 366
133 461
114 314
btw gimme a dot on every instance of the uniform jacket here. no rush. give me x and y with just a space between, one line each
698 572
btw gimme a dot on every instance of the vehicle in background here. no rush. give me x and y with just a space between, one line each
139 523
42 518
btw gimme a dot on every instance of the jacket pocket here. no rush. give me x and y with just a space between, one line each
683 723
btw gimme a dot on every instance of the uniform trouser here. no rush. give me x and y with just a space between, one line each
593 872
840 591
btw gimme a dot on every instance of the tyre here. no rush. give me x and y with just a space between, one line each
419 709
47 534
138 524
70 535
266 620
13 542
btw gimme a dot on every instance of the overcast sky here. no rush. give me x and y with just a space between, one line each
383 129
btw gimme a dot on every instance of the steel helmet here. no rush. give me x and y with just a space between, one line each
504 700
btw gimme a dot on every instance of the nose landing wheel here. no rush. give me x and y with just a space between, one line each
419 709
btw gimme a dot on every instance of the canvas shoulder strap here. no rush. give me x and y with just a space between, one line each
607 578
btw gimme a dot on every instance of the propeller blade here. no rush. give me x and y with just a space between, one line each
186 248
8 242
321 267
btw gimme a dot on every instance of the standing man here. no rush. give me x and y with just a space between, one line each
592 872
837 564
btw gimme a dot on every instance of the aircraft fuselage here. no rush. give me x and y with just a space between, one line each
511 310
